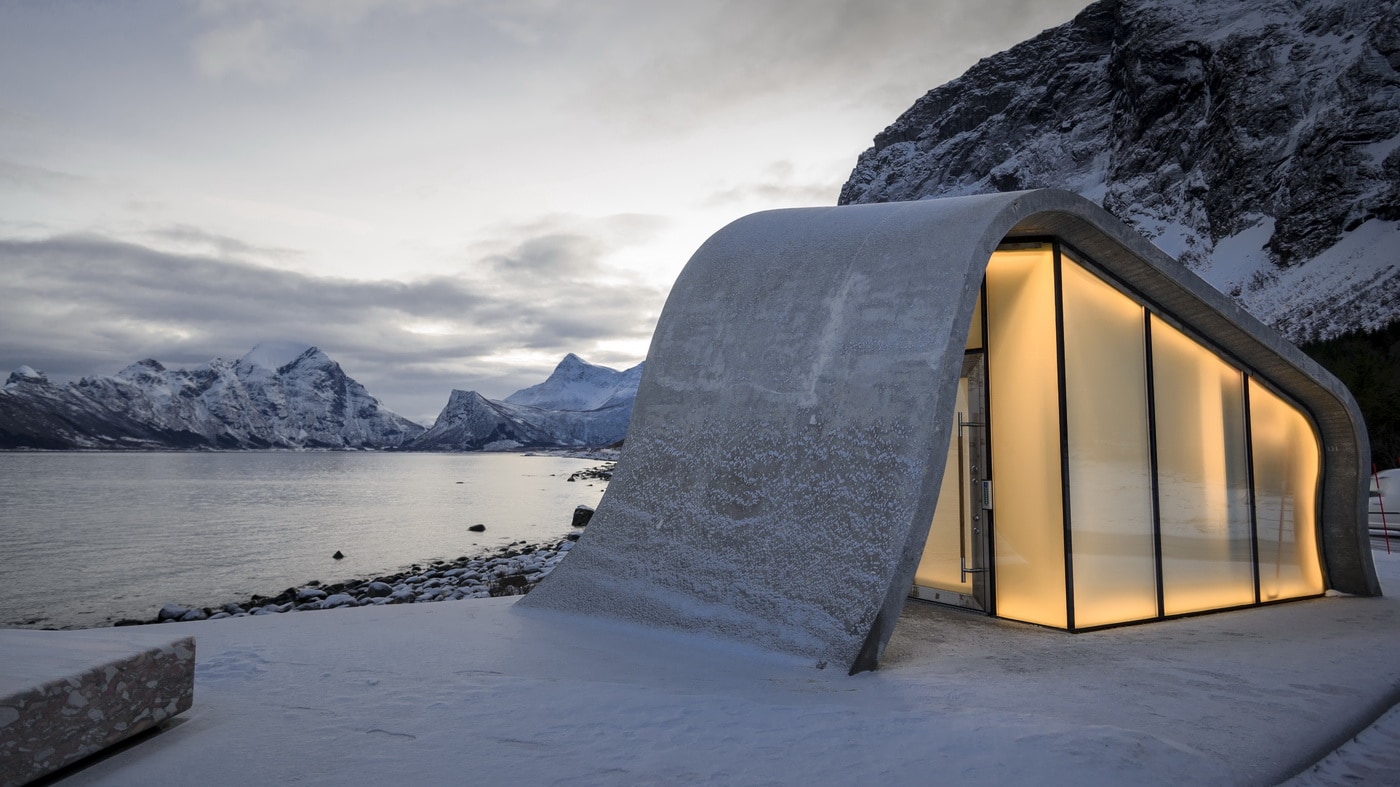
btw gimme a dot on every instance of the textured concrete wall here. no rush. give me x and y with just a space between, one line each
789 434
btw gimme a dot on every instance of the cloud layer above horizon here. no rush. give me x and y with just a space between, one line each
77 303
438 193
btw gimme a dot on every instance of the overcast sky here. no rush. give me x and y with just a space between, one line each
438 193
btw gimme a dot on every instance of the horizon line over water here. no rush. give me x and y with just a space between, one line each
89 538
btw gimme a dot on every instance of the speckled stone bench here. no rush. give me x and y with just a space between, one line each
67 694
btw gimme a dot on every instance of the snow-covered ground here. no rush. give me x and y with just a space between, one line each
477 692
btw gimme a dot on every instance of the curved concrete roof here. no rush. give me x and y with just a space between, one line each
784 456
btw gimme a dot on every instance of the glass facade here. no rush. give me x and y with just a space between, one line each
1139 473
1202 476
942 561
1023 392
1286 456
1110 461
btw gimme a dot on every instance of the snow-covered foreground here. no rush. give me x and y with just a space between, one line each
476 692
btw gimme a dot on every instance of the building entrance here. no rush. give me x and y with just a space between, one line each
956 565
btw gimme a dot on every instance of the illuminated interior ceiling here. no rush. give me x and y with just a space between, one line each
791 431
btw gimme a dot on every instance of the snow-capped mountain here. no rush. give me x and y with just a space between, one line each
279 395
580 404
1256 140
576 384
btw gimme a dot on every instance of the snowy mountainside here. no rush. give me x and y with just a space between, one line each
1256 140
579 404
305 402
36 413
576 384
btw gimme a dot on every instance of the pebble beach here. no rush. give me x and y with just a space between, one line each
512 570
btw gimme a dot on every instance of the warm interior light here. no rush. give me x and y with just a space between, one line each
940 567
1286 462
1207 560
1207 553
1025 436
1110 463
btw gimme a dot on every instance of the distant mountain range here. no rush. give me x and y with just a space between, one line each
579 404
283 395
1258 141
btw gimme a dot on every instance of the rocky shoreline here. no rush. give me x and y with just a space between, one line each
512 570
603 472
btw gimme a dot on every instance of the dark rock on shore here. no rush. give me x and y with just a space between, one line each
602 472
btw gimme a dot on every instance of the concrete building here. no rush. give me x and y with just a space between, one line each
1009 402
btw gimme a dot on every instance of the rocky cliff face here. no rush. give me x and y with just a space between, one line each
580 404
1256 140
277 396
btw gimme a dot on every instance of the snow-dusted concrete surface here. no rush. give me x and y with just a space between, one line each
482 691
1372 757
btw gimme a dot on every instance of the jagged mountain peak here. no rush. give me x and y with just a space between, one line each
26 374
1256 140
580 404
279 395
276 355
576 384
459 398
572 367
142 369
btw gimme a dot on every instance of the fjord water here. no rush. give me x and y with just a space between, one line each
90 538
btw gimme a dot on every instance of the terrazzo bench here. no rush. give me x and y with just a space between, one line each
67 694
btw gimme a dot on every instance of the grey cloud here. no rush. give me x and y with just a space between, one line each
221 245
255 50
791 194
273 41
83 305
724 54
41 179
550 256
778 183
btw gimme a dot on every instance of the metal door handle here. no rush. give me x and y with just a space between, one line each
962 503
962 564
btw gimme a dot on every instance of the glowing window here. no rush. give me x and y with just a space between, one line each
1203 479
1286 459
1110 461
1025 436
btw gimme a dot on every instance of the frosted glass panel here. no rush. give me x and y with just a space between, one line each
941 564
1025 437
1110 462
1285 497
1207 558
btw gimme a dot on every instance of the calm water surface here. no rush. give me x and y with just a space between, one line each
88 538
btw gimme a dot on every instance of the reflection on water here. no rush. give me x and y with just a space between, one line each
87 538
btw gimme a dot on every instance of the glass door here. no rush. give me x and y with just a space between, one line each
955 566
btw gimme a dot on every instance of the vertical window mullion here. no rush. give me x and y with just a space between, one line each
1249 479
1152 454
988 516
